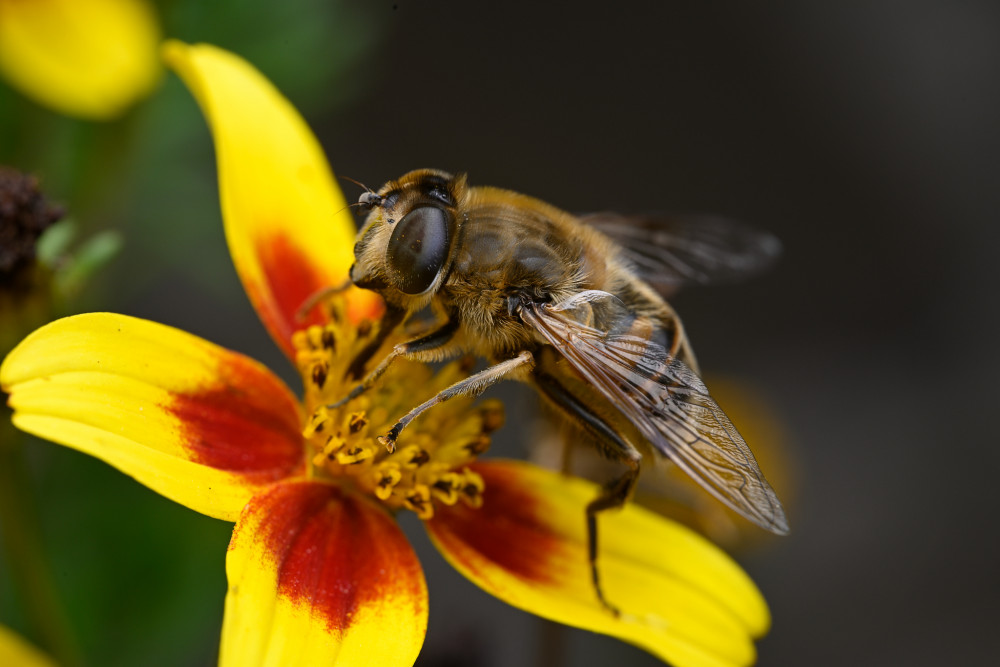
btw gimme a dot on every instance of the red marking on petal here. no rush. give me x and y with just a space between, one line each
512 530
335 552
363 305
248 422
290 279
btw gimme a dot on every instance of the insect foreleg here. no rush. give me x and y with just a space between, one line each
392 318
470 386
426 343
319 296
615 492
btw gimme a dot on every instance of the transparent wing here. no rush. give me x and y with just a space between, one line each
664 398
671 251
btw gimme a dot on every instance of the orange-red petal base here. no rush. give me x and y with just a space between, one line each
676 594
318 575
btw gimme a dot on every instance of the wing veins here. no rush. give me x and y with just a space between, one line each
670 406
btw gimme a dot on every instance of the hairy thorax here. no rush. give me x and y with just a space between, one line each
505 252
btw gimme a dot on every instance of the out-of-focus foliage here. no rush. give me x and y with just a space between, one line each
146 179
136 172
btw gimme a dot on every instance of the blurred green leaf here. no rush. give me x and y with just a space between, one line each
89 258
54 242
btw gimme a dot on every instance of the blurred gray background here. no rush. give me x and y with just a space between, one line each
865 135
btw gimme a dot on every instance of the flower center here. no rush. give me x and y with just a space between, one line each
429 464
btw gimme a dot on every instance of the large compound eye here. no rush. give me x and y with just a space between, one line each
418 248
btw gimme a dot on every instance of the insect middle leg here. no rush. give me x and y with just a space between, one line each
470 386
616 492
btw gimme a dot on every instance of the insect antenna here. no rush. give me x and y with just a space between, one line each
368 199
358 183
357 203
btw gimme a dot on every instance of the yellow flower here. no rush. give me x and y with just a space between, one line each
16 652
85 58
319 572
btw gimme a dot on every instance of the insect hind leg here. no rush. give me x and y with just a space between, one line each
617 491
615 494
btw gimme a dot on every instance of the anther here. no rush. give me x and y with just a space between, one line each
356 422
446 488
332 446
491 412
354 455
419 501
387 476
314 335
472 491
419 457
477 446
319 373
328 340
316 423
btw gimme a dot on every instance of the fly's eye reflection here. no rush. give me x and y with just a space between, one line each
418 248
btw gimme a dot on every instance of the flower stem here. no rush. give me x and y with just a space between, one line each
23 551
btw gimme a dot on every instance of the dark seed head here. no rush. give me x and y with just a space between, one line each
24 215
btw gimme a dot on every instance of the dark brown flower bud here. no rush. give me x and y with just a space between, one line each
24 215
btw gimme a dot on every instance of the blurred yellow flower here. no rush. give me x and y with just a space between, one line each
86 58
16 652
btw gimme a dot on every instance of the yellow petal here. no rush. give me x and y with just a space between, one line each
288 228
15 652
204 426
90 59
319 576
679 596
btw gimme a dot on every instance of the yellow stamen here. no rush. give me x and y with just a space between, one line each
472 489
419 501
354 455
318 423
445 488
387 476
429 463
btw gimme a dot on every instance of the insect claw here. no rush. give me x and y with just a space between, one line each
614 611
388 442
389 439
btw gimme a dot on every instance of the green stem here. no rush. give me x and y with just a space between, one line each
22 544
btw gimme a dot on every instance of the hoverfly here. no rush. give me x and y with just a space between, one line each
568 305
